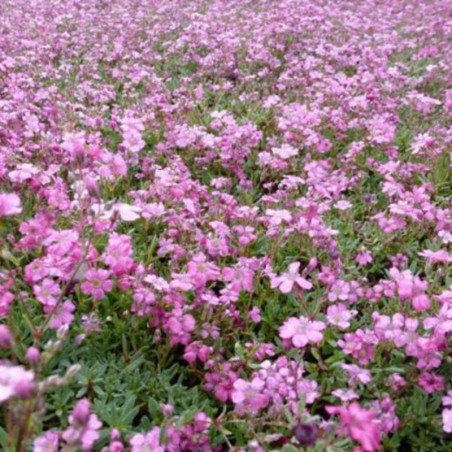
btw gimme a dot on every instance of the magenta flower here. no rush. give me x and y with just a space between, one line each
180 328
430 382
9 204
360 424
97 283
301 331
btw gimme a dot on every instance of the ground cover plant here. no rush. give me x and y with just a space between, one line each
225 225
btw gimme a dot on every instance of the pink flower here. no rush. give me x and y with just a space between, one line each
97 283
245 234
239 278
180 328
6 337
396 382
343 204
286 281
340 290
301 331
278 216
360 344
339 315
62 315
436 257
149 441
447 399
412 288
249 396
447 420
47 442
127 212
201 271
118 254
255 314
421 303
285 152
83 427
346 395
360 424
364 257
15 381
9 204
430 382
357 375
47 293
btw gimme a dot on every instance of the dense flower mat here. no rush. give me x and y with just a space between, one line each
225 225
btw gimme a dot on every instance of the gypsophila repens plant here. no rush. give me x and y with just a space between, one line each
225 225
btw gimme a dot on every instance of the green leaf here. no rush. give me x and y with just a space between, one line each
3 438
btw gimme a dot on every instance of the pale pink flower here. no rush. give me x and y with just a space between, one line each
15 381
147 442
47 442
127 212
9 204
340 290
285 152
447 399
447 420
343 204
287 280
47 292
436 257
338 315
346 395
201 271
249 396
356 374
301 331
278 216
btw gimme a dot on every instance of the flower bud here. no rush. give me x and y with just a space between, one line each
167 408
6 338
24 389
62 332
81 412
33 355
73 371
92 187
116 446
306 434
